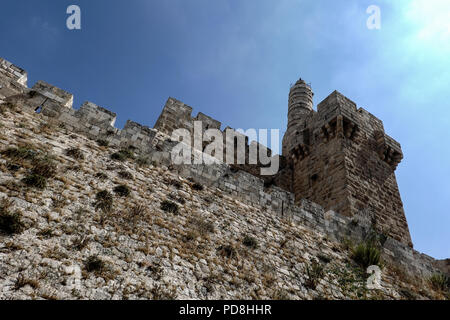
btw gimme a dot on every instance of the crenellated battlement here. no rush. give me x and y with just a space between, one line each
331 188
12 79
177 115
53 93
101 115
90 119
174 115
13 72
337 115
338 156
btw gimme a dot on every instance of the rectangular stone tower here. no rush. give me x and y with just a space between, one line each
342 159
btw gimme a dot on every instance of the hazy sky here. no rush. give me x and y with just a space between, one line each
235 59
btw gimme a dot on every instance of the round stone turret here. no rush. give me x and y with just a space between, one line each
300 108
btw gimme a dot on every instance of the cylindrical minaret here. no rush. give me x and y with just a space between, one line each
300 108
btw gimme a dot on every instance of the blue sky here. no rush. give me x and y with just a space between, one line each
234 60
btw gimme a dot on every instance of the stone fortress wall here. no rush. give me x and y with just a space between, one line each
338 157
343 160
176 115
96 122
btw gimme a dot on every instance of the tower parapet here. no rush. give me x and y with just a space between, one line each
342 159
299 110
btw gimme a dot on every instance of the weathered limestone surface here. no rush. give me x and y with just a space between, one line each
160 254
338 157
299 110
12 79
343 160
177 115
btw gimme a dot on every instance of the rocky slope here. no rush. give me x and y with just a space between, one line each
81 220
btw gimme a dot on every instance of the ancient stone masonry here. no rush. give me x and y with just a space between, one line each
12 79
338 157
53 94
177 115
299 110
337 161
343 160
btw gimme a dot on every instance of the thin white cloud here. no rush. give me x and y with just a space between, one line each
44 31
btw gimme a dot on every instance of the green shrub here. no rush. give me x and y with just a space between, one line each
10 223
324 258
190 235
20 153
125 175
143 161
201 226
250 242
180 200
94 264
7 107
13 167
46 233
175 183
439 282
104 201
197 186
205 227
123 155
80 243
169 206
122 190
347 243
227 251
35 181
314 272
138 211
75 153
101 176
366 254
268 183
102 143
45 167
118 156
